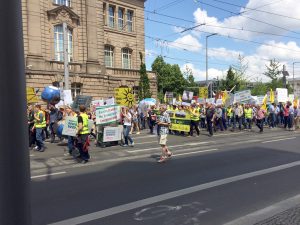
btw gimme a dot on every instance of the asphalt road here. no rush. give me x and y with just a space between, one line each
215 180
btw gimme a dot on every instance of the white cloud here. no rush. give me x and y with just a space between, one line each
200 74
178 29
224 54
187 42
289 7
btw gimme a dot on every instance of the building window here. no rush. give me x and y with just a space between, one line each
121 18
59 43
126 58
111 16
62 2
109 56
104 14
76 89
129 20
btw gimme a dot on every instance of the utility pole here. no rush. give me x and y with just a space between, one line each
294 76
66 56
14 154
206 55
285 74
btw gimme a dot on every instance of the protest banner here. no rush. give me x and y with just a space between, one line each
282 94
187 95
169 97
81 100
109 101
201 101
242 96
124 97
291 98
219 102
180 121
31 95
203 92
107 114
112 134
259 100
70 126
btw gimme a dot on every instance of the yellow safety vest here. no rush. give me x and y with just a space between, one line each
229 112
248 113
195 114
85 128
39 124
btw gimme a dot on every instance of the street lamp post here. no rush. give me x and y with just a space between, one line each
206 61
294 76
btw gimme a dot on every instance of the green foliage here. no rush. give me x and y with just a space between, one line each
259 88
169 77
231 81
144 85
273 70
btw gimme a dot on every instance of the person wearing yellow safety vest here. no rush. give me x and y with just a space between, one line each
195 118
39 125
230 115
83 134
248 116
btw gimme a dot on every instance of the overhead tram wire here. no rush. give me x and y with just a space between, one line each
250 18
170 4
258 10
258 7
223 27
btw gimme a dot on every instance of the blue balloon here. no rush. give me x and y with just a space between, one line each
51 95
59 130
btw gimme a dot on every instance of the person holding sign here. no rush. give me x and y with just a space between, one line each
164 122
83 134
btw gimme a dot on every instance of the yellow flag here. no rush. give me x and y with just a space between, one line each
224 97
264 104
165 98
179 98
272 98
295 103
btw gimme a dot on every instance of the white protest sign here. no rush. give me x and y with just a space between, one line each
210 100
259 100
291 98
70 127
219 102
201 100
242 96
97 103
110 101
282 94
107 114
112 134
68 97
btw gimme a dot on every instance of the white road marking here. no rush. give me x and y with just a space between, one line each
163 197
48 175
172 146
141 143
216 135
189 153
31 155
282 139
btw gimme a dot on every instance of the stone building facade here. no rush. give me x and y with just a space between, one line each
105 38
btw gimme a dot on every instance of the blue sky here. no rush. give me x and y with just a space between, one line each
274 26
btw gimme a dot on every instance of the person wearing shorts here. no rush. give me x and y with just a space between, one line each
164 123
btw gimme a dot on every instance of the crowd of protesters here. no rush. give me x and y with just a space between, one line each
208 118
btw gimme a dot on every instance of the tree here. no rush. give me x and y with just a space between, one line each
169 77
273 70
190 79
259 88
231 80
240 70
144 85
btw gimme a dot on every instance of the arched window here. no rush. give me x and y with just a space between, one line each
76 89
59 43
109 55
126 58
62 2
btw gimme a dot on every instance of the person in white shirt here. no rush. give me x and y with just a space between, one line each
127 127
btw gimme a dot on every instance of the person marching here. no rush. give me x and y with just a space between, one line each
248 116
195 117
39 125
164 123
260 116
82 134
